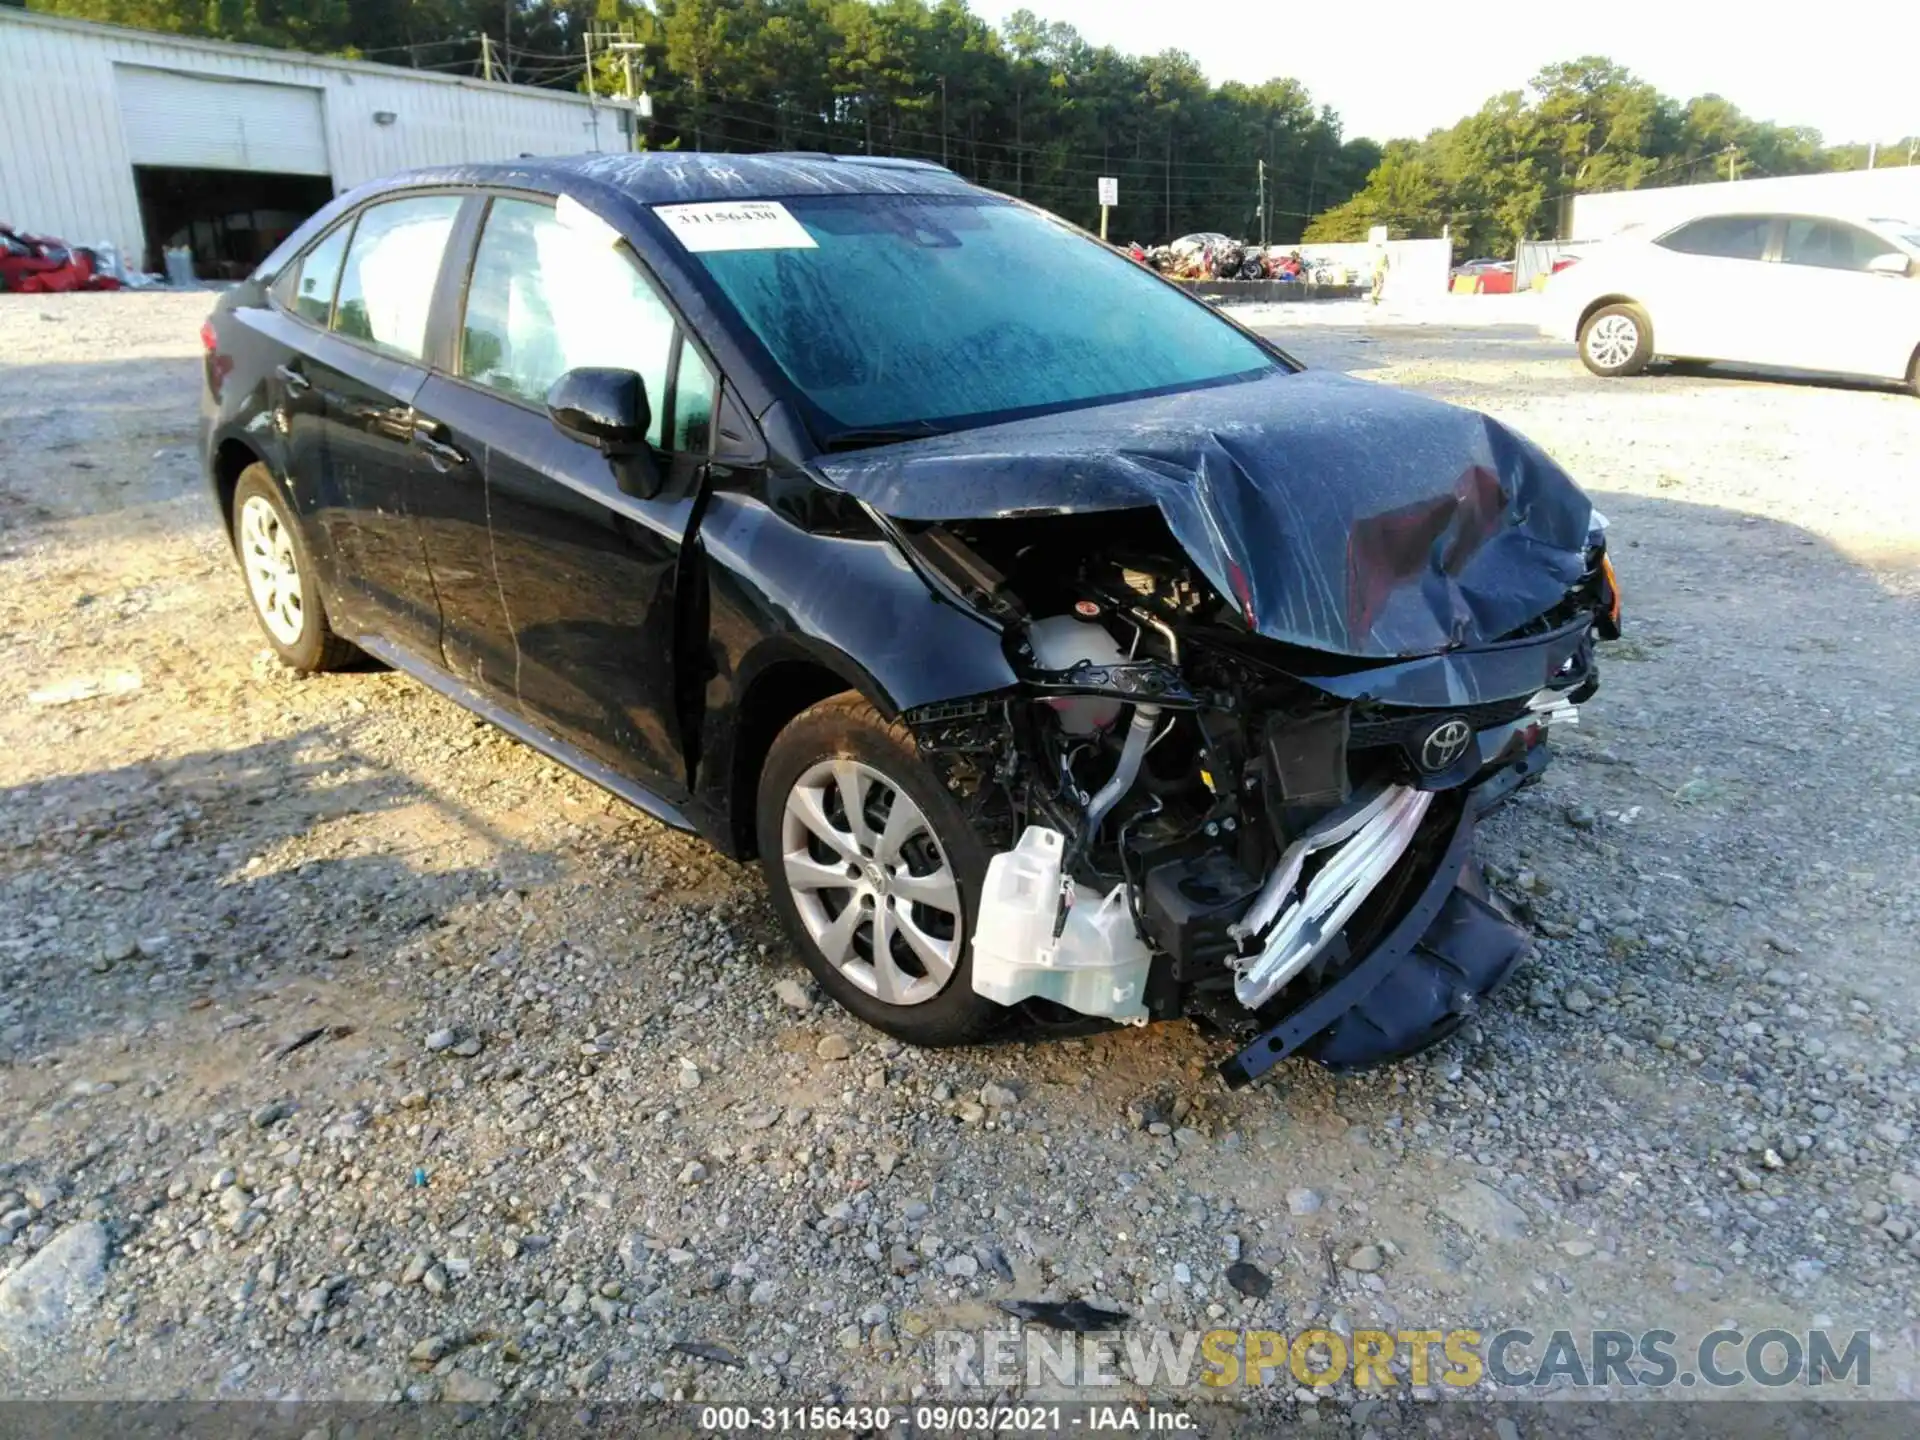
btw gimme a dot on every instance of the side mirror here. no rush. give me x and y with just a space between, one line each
1891 263
604 408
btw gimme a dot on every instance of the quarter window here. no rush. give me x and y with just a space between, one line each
546 298
308 291
1731 237
386 287
1830 245
692 403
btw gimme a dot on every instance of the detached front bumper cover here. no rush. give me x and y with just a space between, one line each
1453 946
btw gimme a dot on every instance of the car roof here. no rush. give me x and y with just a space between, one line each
673 177
1787 212
605 181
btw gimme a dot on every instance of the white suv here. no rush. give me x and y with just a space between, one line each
1804 292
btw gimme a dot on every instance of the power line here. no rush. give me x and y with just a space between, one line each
1067 176
418 45
1105 159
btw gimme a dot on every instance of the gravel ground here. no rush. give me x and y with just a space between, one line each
348 1048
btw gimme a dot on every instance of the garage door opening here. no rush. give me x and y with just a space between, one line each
230 219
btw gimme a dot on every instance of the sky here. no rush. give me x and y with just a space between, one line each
1394 68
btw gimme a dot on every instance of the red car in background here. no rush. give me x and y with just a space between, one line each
1490 276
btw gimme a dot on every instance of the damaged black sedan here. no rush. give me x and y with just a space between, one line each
1067 654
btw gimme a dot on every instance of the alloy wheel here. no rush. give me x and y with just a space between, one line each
273 574
870 882
1612 341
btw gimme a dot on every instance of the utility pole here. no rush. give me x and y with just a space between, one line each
637 104
1873 152
1019 135
1263 203
486 56
633 105
593 109
943 120
1169 176
506 39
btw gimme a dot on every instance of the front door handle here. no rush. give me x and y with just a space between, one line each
295 382
430 436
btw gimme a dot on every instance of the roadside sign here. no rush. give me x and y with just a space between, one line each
1109 190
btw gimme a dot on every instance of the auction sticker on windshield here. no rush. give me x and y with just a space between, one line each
735 225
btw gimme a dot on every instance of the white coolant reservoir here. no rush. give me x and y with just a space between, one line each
1097 965
1060 641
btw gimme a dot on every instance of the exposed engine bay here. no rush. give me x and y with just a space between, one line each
1188 817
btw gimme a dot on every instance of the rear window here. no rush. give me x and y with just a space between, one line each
1731 237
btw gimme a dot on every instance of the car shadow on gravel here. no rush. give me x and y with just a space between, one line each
150 887
1761 374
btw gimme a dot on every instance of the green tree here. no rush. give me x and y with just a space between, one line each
1501 174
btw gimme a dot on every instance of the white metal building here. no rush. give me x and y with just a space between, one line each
144 140
1892 191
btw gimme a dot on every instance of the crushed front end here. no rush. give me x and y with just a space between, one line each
1189 817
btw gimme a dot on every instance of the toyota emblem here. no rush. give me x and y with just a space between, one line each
1445 743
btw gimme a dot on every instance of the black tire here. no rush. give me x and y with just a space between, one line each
848 727
1913 372
314 647
1624 350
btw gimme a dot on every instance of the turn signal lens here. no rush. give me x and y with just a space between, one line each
207 337
1613 588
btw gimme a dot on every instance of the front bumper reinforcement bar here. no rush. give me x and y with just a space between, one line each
1451 947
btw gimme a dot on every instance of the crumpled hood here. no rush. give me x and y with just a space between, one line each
1337 514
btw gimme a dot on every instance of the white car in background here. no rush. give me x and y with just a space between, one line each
1803 292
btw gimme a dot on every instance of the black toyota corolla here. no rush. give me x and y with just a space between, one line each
1067 654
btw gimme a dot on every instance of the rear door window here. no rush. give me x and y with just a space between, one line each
387 284
1830 245
1730 237
307 290
546 298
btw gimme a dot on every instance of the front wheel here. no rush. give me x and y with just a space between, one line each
1616 340
875 872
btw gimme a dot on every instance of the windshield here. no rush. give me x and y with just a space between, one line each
915 311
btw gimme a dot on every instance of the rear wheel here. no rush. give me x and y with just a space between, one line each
280 577
1616 340
875 872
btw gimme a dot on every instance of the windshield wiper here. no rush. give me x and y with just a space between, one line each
859 439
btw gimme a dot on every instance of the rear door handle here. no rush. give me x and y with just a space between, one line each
295 381
430 436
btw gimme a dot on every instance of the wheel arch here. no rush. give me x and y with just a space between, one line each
230 460
783 687
1593 307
